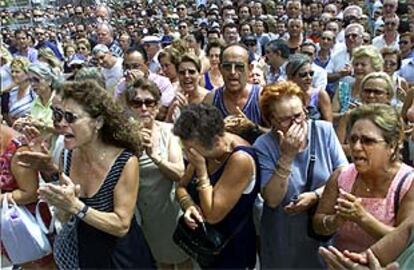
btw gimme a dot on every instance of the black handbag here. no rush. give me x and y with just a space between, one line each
309 181
203 244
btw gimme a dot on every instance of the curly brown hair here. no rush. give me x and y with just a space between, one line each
118 128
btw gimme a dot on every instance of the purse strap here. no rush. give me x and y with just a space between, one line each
398 191
40 222
312 158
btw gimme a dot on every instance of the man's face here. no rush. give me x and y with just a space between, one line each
102 14
134 65
351 16
22 41
231 35
259 27
244 13
257 9
235 68
182 11
280 10
124 42
389 8
40 35
353 38
246 30
327 40
293 9
333 27
228 14
183 29
405 44
103 59
104 36
309 50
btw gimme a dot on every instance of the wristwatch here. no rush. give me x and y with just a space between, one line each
82 213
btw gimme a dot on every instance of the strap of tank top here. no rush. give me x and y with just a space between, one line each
398 190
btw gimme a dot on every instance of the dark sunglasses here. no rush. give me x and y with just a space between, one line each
228 66
184 72
137 103
403 42
250 44
364 140
354 36
58 116
182 26
326 38
305 74
131 66
390 23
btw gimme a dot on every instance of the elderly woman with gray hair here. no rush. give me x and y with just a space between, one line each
299 70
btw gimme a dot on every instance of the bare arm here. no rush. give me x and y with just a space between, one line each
217 202
173 167
325 106
27 181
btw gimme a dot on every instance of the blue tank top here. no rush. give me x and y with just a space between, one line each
207 82
251 109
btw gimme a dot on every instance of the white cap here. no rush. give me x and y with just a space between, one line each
151 39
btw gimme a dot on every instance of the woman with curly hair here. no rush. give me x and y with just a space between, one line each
99 183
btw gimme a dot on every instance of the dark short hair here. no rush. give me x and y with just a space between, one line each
200 122
138 49
279 45
143 84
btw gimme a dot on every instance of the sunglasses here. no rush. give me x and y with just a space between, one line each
182 26
375 92
326 38
403 42
250 44
183 72
306 74
364 140
228 66
391 23
354 36
388 5
58 115
137 103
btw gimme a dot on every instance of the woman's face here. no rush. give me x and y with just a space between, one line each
214 56
145 106
362 66
295 27
168 68
39 85
70 51
390 63
82 49
369 151
18 75
188 76
287 112
375 91
257 77
303 77
215 151
78 127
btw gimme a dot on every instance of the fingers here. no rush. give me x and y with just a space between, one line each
65 180
347 196
331 259
372 260
240 112
356 257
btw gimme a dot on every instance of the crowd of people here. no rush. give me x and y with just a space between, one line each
285 127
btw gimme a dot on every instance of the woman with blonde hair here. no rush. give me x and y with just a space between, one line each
365 59
47 56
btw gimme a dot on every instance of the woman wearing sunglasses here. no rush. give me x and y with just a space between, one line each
190 91
318 103
365 59
99 182
373 195
289 187
161 164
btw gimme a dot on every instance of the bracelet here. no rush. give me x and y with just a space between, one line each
186 202
281 174
203 186
283 169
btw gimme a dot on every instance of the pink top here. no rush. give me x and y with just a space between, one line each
352 237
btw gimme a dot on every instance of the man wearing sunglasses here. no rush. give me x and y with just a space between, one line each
406 44
390 37
237 100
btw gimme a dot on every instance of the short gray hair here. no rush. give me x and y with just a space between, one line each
100 48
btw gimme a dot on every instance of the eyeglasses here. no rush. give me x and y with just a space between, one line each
388 5
58 115
180 8
82 48
364 140
183 72
403 42
39 34
229 66
132 66
182 26
306 73
137 103
287 121
352 35
393 23
250 44
390 63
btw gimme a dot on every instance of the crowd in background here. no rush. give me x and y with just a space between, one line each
286 126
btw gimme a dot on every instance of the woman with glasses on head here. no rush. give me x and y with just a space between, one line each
84 48
213 79
47 56
190 91
392 63
365 59
161 164
289 187
99 182
299 70
373 195
220 184
169 59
